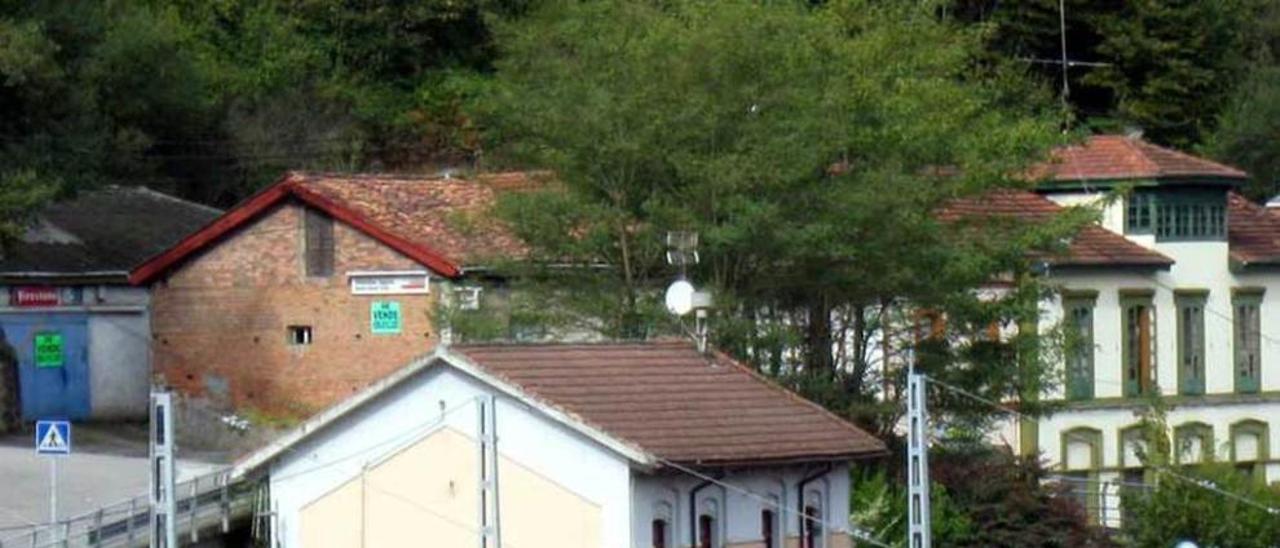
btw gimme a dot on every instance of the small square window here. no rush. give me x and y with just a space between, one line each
299 335
468 298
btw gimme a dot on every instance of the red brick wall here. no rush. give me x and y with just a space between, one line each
220 320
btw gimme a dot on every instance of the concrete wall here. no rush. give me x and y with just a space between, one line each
738 515
119 365
220 320
544 465
119 347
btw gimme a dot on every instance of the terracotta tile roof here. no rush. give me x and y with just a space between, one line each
443 223
451 216
1253 231
672 401
1116 157
1091 246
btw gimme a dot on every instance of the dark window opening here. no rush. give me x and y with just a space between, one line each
706 531
812 527
319 243
299 335
659 533
766 528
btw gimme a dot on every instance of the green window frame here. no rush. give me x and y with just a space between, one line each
1177 215
1182 435
1138 341
1139 213
1078 310
1190 305
1134 434
1246 321
1256 467
1086 478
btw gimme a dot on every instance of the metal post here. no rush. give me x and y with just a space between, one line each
53 491
191 509
223 505
486 441
492 444
917 460
164 504
133 515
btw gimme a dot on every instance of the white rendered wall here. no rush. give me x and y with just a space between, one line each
336 455
1111 421
1200 266
1112 214
739 519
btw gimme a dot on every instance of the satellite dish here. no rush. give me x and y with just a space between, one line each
680 297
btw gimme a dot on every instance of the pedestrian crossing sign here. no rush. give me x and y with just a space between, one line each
53 437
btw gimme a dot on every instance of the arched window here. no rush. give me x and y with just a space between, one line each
1081 459
660 528
812 537
659 533
706 531
1249 447
768 528
1192 443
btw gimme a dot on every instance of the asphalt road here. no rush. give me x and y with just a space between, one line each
108 464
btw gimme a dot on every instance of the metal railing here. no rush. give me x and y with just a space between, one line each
209 503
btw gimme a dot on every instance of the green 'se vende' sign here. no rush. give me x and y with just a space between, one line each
384 317
49 349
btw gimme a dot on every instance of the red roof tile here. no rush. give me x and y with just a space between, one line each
1113 157
676 403
1253 231
451 216
1091 246
442 223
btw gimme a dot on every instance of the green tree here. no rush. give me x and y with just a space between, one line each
980 496
1167 67
1211 504
1248 134
809 148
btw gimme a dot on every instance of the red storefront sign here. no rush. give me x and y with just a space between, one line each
33 295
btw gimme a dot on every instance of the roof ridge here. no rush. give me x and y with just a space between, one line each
1135 146
165 196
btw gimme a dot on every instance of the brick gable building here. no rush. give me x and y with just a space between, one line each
272 306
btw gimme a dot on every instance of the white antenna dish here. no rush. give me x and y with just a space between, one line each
680 297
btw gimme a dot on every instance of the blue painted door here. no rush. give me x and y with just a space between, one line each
53 379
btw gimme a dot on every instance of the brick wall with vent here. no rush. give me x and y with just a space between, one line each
258 322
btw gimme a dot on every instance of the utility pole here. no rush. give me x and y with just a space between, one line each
487 438
919 534
164 506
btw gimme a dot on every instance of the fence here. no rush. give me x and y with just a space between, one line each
210 503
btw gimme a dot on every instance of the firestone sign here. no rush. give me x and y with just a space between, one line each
34 296
389 283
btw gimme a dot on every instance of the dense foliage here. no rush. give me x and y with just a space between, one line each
980 497
1211 503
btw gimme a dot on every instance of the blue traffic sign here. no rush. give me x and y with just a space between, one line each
53 437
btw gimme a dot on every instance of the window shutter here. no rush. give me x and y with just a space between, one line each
1247 329
319 243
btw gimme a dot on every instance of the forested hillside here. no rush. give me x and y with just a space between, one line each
213 99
